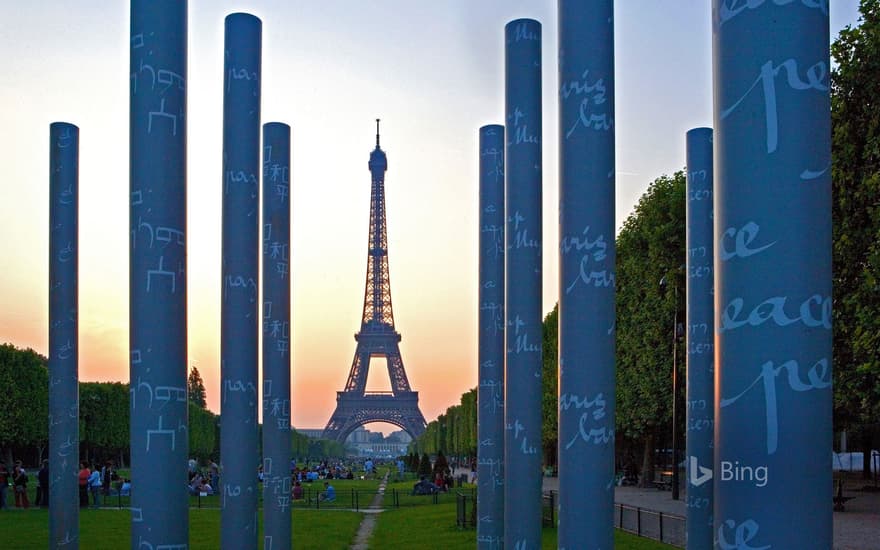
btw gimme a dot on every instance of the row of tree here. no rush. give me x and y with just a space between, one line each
454 431
103 416
651 246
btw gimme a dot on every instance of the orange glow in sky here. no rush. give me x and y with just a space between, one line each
432 71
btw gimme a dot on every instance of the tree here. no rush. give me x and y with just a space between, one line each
196 388
650 246
104 420
24 401
202 435
454 431
855 90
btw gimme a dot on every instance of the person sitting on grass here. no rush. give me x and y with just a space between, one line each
205 487
297 491
424 487
329 493
194 484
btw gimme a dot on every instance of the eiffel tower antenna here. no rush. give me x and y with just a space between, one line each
377 337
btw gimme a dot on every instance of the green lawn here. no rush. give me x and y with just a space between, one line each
434 527
110 529
417 524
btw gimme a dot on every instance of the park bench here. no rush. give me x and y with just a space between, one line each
664 481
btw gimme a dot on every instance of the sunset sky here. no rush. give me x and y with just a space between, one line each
432 71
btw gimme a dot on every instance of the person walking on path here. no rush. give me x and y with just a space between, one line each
19 482
4 483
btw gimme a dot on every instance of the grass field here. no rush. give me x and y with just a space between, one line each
417 524
431 527
110 529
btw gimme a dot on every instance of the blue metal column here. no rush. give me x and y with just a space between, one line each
700 419
157 292
773 275
276 336
586 274
490 396
523 335
240 291
63 336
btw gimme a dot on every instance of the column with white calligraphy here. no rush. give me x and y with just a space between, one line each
239 324
63 336
157 274
490 395
276 336
700 420
523 335
772 275
586 274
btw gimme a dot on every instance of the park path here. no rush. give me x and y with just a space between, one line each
369 522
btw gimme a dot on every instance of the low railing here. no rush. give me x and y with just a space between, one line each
465 510
668 528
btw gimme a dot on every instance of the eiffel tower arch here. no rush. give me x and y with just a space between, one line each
377 337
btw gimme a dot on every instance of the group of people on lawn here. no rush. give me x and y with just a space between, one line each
100 481
19 479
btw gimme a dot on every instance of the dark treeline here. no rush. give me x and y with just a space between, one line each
454 432
103 417
651 245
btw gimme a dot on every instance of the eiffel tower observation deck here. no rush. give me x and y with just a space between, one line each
377 337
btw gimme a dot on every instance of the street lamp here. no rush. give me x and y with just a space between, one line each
677 333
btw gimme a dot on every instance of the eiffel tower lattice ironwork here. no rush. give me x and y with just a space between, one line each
377 337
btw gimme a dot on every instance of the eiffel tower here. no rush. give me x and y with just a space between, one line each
377 338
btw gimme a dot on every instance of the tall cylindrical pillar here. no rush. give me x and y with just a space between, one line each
276 336
490 396
523 335
586 274
63 336
157 292
700 419
772 275
239 323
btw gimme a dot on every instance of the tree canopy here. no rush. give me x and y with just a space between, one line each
855 116
24 401
196 388
650 247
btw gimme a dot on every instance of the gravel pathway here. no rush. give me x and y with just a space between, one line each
369 521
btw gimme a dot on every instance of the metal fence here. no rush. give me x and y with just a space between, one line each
465 510
668 528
